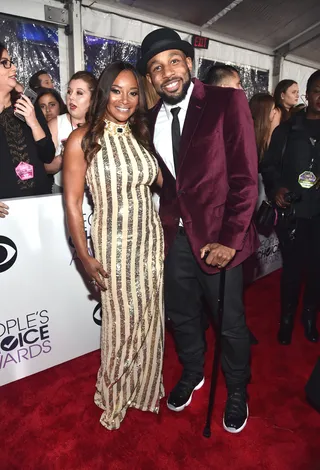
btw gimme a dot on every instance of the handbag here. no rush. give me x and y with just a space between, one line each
266 215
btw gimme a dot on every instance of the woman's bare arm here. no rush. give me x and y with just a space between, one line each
56 164
74 172
159 180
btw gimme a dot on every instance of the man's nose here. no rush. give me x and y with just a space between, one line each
168 71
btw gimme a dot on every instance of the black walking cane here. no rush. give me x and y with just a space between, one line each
217 353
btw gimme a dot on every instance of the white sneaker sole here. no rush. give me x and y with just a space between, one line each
182 407
236 431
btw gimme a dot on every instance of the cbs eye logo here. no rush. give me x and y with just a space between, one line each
8 253
97 314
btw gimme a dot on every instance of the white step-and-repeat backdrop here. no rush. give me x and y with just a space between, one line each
48 312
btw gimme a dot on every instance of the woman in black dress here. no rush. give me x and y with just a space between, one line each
24 145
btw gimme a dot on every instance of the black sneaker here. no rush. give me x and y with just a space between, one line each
181 395
236 411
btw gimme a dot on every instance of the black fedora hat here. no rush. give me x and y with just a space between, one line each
160 40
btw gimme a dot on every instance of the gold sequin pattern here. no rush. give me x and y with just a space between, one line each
128 241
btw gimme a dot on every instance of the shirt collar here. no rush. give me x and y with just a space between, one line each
183 104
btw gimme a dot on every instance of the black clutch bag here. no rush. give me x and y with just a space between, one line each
266 215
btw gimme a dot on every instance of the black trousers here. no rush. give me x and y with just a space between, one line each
301 254
185 287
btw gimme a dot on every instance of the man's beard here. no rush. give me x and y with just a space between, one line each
170 99
312 109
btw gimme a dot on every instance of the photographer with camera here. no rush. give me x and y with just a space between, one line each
290 171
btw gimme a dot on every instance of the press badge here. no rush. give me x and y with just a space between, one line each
307 179
24 171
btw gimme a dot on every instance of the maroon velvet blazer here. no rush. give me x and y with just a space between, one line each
216 189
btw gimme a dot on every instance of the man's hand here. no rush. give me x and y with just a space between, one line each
3 209
217 255
280 198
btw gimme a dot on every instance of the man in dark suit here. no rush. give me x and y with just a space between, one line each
204 136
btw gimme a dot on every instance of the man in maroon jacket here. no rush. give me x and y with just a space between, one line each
205 139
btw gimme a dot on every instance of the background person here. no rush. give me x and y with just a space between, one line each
79 96
24 146
113 153
266 117
40 79
51 103
291 170
286 97
225 76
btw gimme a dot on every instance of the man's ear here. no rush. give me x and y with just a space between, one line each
148 77
189 63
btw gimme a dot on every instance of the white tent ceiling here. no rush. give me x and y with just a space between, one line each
287 26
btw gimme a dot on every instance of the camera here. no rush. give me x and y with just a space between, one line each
291 197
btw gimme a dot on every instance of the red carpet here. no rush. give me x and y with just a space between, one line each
49 421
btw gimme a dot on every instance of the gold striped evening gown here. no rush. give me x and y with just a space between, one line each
128 241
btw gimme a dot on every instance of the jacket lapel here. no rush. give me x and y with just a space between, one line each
195 109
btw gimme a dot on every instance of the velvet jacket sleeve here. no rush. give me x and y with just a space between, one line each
242 171
45 147
270 167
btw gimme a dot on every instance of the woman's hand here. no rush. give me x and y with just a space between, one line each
55 166
280 201
3 210
24 106
95 271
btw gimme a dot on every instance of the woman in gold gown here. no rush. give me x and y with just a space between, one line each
113 154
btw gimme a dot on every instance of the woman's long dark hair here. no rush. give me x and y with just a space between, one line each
95 127
282 87
261 105
14 94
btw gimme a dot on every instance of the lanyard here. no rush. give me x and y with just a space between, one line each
313 143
